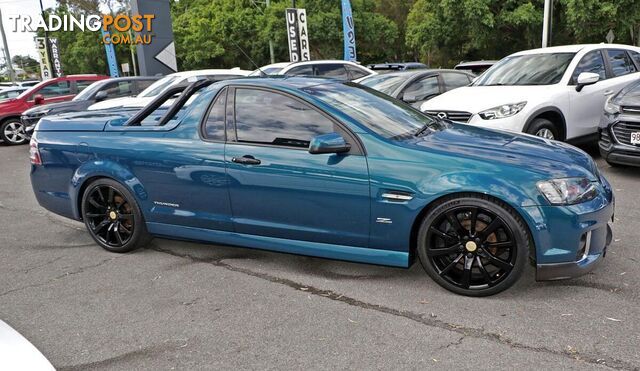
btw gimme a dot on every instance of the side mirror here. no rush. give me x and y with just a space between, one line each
328 143
586 78
38 99
101 95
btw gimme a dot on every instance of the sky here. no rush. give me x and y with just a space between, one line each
21 43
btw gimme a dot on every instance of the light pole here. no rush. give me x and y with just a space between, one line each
7 55
546 23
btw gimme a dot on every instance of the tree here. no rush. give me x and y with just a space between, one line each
25 62
591 20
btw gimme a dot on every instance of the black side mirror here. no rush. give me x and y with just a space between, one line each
101 95
328 143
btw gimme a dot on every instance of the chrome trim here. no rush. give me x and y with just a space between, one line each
587 247
384 220
396 196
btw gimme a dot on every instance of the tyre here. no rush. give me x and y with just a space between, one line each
112 217
543 128
12 132
473 245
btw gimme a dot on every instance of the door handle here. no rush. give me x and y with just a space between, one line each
246 160
608 92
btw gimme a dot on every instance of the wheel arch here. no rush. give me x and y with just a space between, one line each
415 227
91 171
9 117
553 114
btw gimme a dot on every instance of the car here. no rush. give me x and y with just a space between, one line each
619 142
401 66
335 69
11 92
417 86
19 84
184 77
59 89
556 92
270 69
475 67
97 92
331 169
17 353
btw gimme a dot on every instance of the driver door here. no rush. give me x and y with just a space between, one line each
278 189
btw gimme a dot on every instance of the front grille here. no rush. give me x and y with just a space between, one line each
622 131
631 110
460 116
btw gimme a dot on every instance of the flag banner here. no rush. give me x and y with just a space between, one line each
349 32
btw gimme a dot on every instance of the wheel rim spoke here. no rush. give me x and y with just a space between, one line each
453 263
499 263
443 235
445 251
115 229
488 230
483 270
466 272
474 220
98 228
455 224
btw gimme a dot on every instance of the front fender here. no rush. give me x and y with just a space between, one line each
94 169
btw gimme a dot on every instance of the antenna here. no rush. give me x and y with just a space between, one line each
262 74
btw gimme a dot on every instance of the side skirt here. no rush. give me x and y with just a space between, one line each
321 250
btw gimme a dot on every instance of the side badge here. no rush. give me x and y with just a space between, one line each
384 220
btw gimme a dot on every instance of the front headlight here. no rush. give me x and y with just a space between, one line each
610 107
502 111
567 191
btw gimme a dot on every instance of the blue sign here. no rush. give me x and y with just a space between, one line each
349 32
111 54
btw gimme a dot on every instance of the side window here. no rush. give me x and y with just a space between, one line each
636 57
143 84
214 126
421 89
334 71
355 72
56 89
591 62
82 84
620 62
454 80
119 89
266 117
306 70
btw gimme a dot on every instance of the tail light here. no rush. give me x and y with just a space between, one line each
34 153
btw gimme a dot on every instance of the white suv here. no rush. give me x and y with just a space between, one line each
557 93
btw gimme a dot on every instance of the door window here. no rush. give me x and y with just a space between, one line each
591 62
455 80
636 57
306 70
334 71
119 89
356 72
56 89
143 84
83 84
266 117
214 126
620 62
421 89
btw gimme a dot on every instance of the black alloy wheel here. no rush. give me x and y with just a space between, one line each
473 245
112 217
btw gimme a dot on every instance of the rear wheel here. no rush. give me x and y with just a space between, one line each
112 217
473 245
12 132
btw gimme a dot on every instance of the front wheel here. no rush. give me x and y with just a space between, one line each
12 132
544 128
473 245
113 217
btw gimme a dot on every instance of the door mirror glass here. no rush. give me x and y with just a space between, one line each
586 78
101 95
328 143
38 99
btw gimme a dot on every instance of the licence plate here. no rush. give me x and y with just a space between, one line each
635 137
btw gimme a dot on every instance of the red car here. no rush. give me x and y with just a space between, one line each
50 91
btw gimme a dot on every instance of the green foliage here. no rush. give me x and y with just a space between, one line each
591 20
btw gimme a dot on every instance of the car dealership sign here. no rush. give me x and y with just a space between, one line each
298 35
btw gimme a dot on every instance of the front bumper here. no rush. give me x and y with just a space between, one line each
513 123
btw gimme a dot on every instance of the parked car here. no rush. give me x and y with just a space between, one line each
475 67
417 86
11 92
335 69
392 67
97 92
620 127
270 69
55 90
332 170
155 89
17 353
18 84
556 93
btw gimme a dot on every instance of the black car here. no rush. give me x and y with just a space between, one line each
96 92
383 68
417 86
620 127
